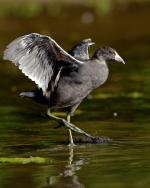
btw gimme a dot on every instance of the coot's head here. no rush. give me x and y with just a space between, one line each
108 54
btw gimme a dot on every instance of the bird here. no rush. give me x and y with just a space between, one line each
63 78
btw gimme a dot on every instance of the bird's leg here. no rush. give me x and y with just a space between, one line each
52 116
70 132
70 126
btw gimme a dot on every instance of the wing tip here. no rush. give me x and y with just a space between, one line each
5 54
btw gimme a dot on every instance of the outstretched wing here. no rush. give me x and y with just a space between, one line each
38 56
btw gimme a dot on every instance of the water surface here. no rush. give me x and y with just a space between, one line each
119 109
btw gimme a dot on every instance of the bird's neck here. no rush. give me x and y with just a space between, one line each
101 72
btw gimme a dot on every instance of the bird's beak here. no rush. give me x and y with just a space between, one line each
119 59
91 43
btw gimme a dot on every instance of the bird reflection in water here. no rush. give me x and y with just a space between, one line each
68 178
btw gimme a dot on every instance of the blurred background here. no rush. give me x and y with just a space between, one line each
120 109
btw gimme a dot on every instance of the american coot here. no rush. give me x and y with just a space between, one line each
63 80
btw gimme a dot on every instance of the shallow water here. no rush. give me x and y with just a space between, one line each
119 109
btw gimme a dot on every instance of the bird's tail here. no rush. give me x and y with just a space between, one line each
28 94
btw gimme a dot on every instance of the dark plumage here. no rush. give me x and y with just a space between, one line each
63 80
80 50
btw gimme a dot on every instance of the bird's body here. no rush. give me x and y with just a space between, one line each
63 79
90 75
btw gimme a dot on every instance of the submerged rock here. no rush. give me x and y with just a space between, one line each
95 140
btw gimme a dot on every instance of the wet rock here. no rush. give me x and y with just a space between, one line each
95 140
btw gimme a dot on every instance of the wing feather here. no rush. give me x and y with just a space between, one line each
38 57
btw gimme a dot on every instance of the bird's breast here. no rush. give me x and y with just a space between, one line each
98 74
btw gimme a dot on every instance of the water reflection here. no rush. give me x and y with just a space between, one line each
68 174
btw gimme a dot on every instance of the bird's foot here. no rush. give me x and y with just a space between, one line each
63 122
